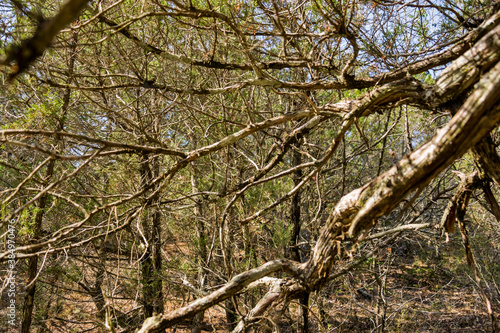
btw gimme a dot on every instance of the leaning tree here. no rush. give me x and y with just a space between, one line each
156 148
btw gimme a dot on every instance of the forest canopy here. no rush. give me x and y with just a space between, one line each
164 159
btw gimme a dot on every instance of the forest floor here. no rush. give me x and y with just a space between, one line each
426 290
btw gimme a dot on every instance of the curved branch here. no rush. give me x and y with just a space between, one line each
105 143
162 321
359 210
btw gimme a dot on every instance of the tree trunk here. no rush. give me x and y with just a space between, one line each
293 252
357 212
201 246
151 262
42 202
29 299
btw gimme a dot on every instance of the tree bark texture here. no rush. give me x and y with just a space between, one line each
34 47
29 299
357 212
151 261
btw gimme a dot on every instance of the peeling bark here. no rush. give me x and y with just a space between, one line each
488 159
359 210
492 201
458 204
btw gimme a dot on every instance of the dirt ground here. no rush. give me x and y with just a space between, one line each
422 289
